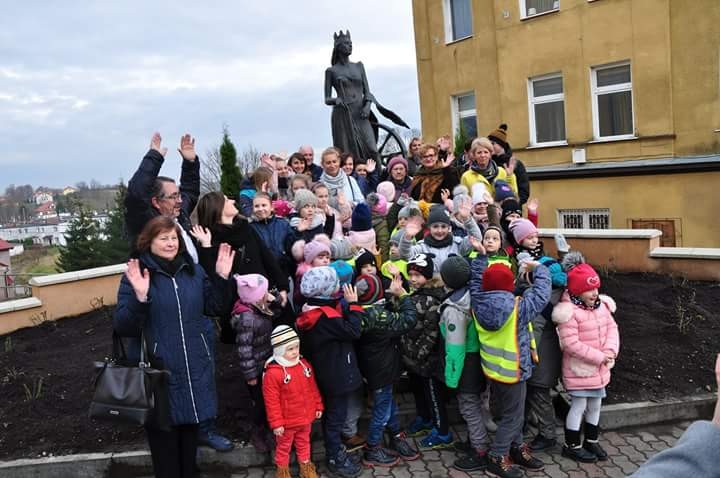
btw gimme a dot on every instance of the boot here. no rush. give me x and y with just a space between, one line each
475 460
341 465
400 444
208 436
307 470
379 456
520 455
573 450
592 432
283 472
501 466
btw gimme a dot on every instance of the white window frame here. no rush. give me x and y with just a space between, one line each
533 100
455 110
447 16
523 10
585 213
596 91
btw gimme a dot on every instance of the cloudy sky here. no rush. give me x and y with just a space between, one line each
83 85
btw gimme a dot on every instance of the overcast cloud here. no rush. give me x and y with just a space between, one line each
84 84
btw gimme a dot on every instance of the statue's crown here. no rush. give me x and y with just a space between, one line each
339 36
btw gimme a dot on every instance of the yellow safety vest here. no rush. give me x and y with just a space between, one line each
499 350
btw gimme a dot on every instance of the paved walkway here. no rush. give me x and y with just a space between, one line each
627 449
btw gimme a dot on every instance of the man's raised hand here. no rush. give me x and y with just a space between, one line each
187 147
156 144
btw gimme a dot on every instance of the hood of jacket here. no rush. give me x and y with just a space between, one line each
459 299
314 310
493 311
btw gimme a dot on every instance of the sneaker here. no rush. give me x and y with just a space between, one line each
521 455
595 449
378 456
353 443
473 461
341 465
418 427
541 442
436 441
215 441
502 466
404 449
579 454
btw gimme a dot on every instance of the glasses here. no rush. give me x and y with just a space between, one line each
172 197
428 156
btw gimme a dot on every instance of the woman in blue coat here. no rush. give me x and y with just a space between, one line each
165 296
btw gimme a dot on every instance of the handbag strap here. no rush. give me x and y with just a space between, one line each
119 352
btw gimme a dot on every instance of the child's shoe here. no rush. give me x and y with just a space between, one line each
476 460
307 470
502 466
378 456
436 441
418 427
341 465
400 444
283 472
592 432
520 455
572 449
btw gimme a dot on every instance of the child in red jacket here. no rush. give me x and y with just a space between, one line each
292 401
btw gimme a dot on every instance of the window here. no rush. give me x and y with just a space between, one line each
612 102
463 107
584 218
458 20
530 8
547 110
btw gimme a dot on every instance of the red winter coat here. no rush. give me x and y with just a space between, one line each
585 337
294 403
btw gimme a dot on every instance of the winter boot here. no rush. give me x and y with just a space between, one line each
307 470
591 444
341 465
419 426
520 455
283 472
400 444
208 436
378 456
573 450
476 460
502 466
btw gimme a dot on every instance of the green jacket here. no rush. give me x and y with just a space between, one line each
458 330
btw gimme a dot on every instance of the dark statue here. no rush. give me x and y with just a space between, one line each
354 125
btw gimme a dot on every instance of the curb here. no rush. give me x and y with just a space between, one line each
89 465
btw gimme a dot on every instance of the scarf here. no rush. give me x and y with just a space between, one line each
429 180
335 183
536 253
432 242
579 302
318 219
170 266
490 171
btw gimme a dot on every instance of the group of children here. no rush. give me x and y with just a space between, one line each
458 296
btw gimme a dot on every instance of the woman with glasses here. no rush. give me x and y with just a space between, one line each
433 176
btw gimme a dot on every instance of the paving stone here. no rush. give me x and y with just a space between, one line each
553 470
593 470
669 439
632 453
615 438
453 473
430 455
577 474
638 443
614 472
677 431
658 445
645 436
565 463
625 464
426 474
401 473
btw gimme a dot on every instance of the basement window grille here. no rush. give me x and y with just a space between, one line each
584 218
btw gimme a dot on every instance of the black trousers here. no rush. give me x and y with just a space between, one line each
430 398
173 452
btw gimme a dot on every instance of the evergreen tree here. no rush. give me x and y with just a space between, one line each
230 174
461 138
84 249
115 243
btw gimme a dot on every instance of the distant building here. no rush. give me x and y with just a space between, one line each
46 211
69 190
42 197
6 282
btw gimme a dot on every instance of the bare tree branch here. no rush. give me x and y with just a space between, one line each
210 171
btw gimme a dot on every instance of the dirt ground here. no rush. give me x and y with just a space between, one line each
669 330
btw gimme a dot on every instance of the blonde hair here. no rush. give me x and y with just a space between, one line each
328 152
482 142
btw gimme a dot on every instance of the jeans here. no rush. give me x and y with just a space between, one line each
384 414
333 421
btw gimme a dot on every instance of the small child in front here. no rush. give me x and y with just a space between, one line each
292 401
590 343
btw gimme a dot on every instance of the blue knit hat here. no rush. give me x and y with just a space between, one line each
344 272
503 190
361 218
557 274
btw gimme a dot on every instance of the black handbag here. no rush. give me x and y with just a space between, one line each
131 393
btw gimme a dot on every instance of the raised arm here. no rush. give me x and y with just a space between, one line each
190 174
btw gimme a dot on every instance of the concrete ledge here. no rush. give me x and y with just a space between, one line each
78 275
622 415
602 233
685 253
19 304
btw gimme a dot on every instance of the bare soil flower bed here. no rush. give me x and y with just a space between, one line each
669 332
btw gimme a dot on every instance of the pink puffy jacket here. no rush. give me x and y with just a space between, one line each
585 337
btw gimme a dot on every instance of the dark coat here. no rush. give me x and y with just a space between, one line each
139 209
449 181
174 323
521 175
253 331
421 346
379 347
277 235
327 335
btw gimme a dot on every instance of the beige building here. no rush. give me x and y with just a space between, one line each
613 105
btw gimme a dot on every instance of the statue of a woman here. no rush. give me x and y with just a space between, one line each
352 120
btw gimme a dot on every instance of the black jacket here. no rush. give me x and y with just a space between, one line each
521 176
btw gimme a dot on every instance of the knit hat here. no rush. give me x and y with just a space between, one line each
478 193
498 277
493 227
281 208
582 278
361 218
438 214
510 206
503 190
344 272
386 189
251 288
395 160
313 249
422 263
557 274
377 203
281 337
397 237
319 282
369 288
303 197
362 258
455 272
410 210
499 136
521 229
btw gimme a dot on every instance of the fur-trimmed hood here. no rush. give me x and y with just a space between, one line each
564 309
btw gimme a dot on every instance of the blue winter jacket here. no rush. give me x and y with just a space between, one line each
493 308
245 197
276 234
175 327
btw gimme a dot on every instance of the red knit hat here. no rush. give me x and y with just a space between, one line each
498 277
582 278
